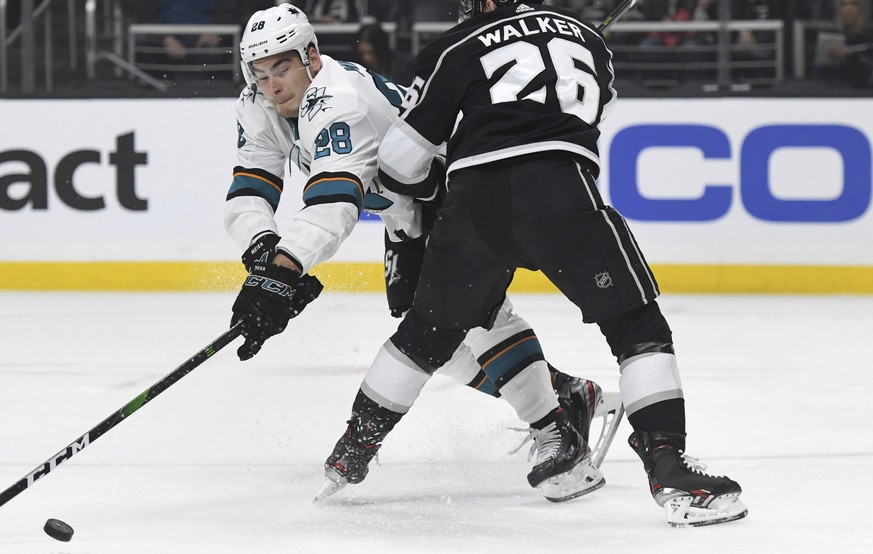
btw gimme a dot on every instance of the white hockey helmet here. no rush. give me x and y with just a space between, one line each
272 31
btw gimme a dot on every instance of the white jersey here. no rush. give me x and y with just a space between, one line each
345 113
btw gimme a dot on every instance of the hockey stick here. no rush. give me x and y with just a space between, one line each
96 432
616 14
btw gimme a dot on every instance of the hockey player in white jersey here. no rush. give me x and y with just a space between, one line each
327 118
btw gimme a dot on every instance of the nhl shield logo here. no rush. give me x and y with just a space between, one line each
603 280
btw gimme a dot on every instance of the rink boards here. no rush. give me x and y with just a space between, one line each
723 195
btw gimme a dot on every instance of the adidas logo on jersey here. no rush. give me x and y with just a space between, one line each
523 8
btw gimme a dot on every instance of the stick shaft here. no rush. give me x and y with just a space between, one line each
120 415
616 14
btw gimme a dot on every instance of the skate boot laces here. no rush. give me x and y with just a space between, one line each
695 465
546 442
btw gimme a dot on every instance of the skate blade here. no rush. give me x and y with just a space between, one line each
333 483
723 509
610 409
579 481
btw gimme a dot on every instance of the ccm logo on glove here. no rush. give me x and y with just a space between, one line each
270 285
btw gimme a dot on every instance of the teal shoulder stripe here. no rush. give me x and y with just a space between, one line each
264 190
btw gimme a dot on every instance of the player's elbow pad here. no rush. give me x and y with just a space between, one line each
426 189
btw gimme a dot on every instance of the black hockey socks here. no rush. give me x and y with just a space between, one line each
667 415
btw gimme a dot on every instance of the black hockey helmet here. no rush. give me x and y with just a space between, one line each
469 8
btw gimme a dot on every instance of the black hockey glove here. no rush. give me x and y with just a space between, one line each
308 289
263 250
402 269
270 297
439 181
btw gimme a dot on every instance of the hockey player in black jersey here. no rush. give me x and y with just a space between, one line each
327 118
518 90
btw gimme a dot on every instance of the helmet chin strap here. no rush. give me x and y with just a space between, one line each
307 65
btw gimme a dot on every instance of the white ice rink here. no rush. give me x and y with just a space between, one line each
778 394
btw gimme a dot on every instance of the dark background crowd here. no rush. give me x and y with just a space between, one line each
835 38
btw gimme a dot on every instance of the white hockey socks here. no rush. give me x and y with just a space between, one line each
648 379
530 392
393 380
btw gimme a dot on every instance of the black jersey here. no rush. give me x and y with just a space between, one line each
523 79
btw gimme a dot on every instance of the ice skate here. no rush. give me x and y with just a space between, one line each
333 483
579 481
584 401
349 462
679 485
562 469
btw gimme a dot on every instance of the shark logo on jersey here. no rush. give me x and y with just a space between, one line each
314 102
240 140
523 8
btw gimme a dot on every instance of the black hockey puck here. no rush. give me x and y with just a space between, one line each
58 530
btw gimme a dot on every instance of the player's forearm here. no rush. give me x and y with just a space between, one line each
246 217
405 156
317 232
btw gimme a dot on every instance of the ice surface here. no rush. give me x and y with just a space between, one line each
229 459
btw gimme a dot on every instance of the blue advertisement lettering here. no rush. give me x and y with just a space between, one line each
624 152
754 165
759 147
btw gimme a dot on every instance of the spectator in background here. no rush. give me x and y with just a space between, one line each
177 49
671 10
196 12
374 53
754 49
705 42
705 10
852 57
659 48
